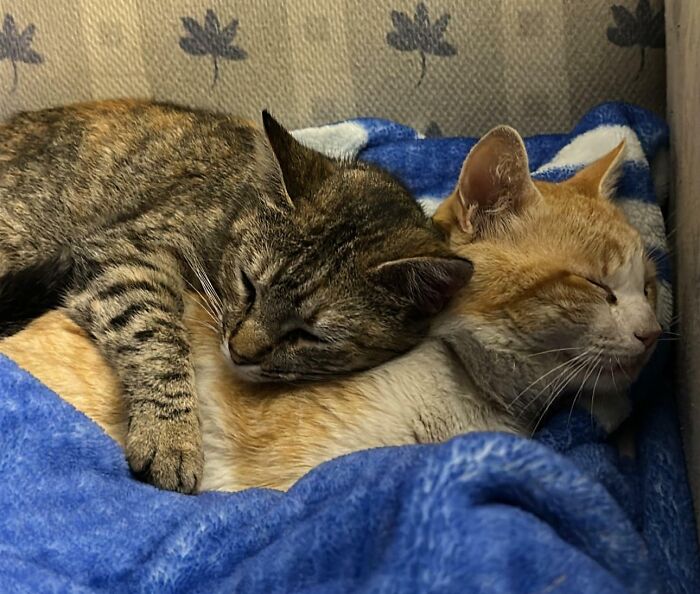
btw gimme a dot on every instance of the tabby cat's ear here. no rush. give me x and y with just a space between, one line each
494 183
600 177
303 169
428 281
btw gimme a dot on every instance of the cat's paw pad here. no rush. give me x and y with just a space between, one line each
166 454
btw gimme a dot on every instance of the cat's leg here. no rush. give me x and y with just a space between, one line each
130 301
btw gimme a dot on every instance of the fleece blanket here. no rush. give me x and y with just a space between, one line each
481 513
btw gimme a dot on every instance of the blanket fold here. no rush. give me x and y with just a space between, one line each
484 512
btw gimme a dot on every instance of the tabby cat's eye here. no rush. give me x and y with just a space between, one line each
610 296
302 336
249 287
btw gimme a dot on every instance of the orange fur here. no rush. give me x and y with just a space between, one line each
270 435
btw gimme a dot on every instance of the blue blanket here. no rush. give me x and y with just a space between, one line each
481 513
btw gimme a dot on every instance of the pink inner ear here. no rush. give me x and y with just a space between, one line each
497 167
479 183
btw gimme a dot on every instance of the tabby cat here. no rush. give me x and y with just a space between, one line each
312 267
561 302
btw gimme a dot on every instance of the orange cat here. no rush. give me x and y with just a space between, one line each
561 301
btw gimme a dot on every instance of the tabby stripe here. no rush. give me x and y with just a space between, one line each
163 324
177 395
167 399
158 324
174 376
119 289
126 316
130 261
174 343
174 414
143 335
126 349
163 407
168 360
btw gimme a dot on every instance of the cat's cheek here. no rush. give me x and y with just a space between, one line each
606 328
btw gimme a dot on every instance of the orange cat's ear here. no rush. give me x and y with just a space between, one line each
600 177
494 182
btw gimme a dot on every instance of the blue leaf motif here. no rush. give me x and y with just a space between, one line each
211 40
418 34
16 47
644 28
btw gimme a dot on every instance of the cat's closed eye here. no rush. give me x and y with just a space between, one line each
610 296
302 337
249 288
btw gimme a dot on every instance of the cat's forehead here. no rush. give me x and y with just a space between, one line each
581 227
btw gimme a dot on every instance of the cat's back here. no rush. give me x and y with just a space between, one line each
97 132
98 160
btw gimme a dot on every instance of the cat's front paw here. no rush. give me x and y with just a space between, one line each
166 453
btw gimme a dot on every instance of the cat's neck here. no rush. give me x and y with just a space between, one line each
499 376
257 435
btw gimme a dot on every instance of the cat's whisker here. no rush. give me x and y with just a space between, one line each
201 299
622 369
556 351
553 384
558 383
612 374
595 385
589 371
213 298
543 376
560 388
573 372
215 305
202 324
211 291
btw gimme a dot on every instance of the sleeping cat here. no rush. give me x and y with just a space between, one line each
310 267
561 302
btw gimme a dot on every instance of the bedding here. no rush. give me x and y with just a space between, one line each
564 512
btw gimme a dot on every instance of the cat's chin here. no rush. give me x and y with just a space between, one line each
255 374
248 373
613 379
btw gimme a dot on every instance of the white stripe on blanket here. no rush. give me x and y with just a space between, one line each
591 145
335 140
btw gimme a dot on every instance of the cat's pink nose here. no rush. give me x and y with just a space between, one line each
649 337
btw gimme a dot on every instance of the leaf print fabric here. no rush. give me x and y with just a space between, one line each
644 28
211 40
418 34
16 47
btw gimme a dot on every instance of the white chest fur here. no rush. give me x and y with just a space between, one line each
424 396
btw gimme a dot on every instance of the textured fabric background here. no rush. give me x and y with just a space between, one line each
442 66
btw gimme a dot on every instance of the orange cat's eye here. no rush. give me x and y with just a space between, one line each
610 296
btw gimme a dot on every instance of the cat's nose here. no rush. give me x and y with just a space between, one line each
249 345
648 337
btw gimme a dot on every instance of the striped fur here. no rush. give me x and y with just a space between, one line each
288 251
527 329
